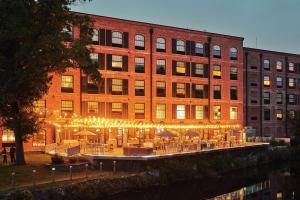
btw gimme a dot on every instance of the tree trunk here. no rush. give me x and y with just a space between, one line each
20 159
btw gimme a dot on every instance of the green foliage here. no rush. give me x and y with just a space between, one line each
274 143
32 49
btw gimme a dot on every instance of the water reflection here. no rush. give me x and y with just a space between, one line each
267 183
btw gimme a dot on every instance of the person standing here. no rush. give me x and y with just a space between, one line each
4 155
12 152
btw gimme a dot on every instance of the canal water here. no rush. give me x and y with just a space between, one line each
279 182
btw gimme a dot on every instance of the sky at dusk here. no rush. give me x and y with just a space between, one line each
275 23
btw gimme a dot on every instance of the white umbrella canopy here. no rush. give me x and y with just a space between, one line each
85 133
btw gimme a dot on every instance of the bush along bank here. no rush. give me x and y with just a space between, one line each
160 173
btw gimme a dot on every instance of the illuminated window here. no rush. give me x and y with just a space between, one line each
279 115
180 89
217 51
139 65
233 73
291 83
40 107
116 107
66 108
8 136
94 57
180 111
279 65
160 88
292 114
291 99
92 107
292 67
217 112
39 139
266 64
199 91
160 44
139 110
139 88
199 69
233 53
180 46
117 85
233 93
279 98
160 111
199 112
267 81
95 37
279 82
217 72
199 49
66 83
139 42
117 62
180 68
233 113
117 38
161 67
279 196
217 92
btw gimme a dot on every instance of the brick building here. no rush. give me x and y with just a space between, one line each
272 82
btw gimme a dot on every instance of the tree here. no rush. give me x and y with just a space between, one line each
33 35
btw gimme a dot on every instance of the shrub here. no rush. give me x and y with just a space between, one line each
56 159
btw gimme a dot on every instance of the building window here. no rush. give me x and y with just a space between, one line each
180 68
116 107
139 42
40 107
233 93
233 113
117 63
266 64
140 65
233 73
161 67
200 91
180 90
68 30
180 111
160 111
279 115
66 108
199 49
139 110
266 97
292 99
292 83
267 114
217 92
217 72
199 112
279 98
66 83
217 112
217 51
160 45
117 85
139 88
233 53
8 136
180 46
160 88
92 107
291 114
39 139
267 81
279 66
94 58
117 38
199 70
279 82
95 37
292 67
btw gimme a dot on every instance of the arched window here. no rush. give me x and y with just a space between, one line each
117 38
139 42
180 46
161 44
233 53
217 51
199 49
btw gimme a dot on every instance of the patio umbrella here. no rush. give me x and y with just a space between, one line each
191 133
85 133
167 133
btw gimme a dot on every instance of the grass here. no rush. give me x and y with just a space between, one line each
38 161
